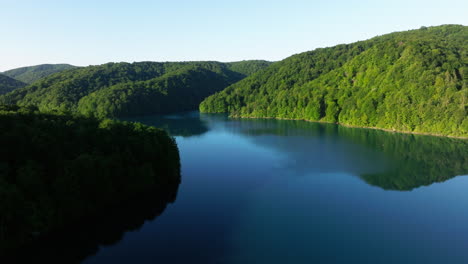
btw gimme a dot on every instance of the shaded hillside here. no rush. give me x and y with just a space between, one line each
8 84
31 74
56 169
124 89
179 90
414 81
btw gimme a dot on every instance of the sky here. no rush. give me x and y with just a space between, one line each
90 32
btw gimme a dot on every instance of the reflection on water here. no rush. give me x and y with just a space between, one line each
278 191
412 160
84 238
391 161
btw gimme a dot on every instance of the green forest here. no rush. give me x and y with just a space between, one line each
57 168
8 84
124 89
413 81
31 74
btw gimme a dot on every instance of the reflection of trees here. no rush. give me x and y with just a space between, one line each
414 160
81 240
185 125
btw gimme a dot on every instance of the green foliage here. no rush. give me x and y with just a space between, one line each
414 81
57 168
8 84
33 73
123 89
179 90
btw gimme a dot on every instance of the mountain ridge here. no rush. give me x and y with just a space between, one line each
111 89
30 74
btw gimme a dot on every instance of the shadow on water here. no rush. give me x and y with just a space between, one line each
186 124
83 239
392 161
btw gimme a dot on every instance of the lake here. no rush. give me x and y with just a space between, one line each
279 191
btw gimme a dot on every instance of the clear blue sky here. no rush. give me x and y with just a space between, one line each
84 32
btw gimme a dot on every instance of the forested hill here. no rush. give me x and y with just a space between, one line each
248 67
124 89
57 169
413 81
33 73
8 84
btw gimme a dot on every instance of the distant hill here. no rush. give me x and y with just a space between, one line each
8 84
124 89
248 67
413 81
33 73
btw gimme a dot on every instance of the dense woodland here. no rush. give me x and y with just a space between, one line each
8 84
33 73
413 81
124 89
57 168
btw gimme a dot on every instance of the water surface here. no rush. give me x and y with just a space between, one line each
277 191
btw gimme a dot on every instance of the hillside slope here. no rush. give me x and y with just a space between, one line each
8 84
124 89
413 81
31 74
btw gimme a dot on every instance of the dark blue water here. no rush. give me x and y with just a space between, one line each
276 191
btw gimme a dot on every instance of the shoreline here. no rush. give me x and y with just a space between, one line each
352 126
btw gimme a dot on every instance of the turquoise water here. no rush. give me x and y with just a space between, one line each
277 191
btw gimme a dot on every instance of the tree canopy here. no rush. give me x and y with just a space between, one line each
8 84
